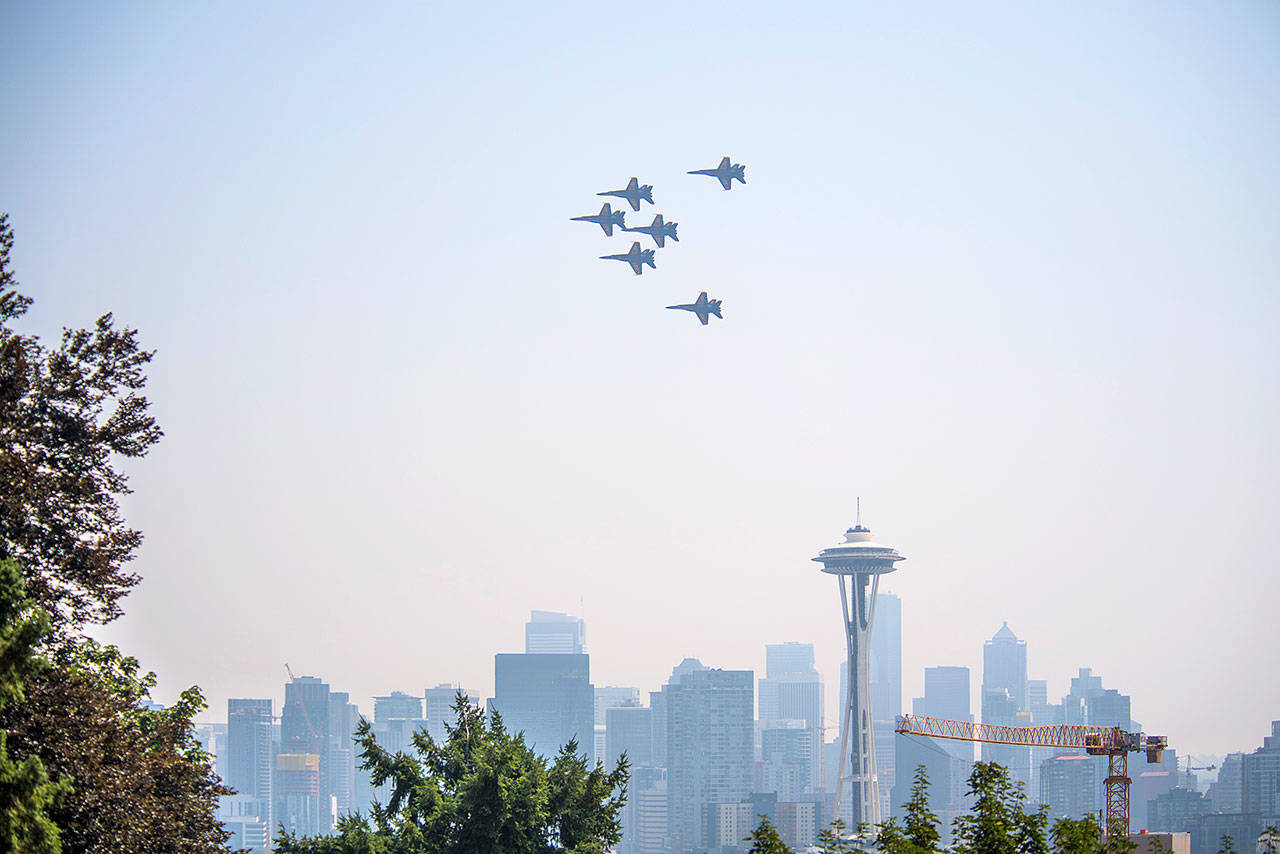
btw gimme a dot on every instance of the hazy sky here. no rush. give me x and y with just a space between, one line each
1010 272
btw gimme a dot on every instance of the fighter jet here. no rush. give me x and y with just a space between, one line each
637 258
633 193
659 231
725 173
704 308
606 219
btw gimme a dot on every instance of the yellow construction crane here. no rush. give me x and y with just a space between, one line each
1111 742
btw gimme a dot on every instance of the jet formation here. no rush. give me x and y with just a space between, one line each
659 230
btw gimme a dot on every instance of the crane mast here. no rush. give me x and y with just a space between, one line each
1112 742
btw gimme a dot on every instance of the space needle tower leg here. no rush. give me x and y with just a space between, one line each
858 564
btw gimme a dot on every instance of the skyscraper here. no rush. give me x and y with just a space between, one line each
1260 776
553 632
304 732
709 748
249 747
249 760
858 563
1004 699
947 762
791 697
548 697
886 691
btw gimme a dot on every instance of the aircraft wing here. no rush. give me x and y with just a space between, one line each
725 180
703 316
636 264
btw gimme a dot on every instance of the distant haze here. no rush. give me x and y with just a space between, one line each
1007 271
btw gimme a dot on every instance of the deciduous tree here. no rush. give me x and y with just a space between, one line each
67 415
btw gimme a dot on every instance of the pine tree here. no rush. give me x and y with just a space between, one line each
765 839
480 791
26 792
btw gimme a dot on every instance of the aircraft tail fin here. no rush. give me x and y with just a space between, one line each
714 308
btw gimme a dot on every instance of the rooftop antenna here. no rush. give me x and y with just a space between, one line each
859 511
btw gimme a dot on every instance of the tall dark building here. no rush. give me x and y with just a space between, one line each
548 697
629 730
318 722
946 695
886 661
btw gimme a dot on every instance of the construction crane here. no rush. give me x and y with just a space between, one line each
1191 768
1111 742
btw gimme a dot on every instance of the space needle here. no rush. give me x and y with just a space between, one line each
857 564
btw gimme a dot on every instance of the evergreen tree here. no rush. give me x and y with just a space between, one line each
765 839
1227 846
481 791
833 839
26 792
998 822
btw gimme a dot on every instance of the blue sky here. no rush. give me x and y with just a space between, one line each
1008 271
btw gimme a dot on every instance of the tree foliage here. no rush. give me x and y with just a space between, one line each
765 839
834 839
139 781
65 415
998 822
1082 835
26 792
482 790
919 832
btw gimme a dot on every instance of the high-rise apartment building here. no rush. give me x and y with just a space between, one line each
550 632
1225 792
548 697
709 748
1260 776
1071 785
250 757
250 749
791 696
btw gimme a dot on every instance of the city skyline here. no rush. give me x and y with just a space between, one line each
404 404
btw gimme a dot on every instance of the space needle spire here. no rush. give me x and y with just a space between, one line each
857 564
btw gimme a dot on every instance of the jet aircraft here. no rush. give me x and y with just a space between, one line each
606 219
637 258
704 308
659 230
633 193
725 173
